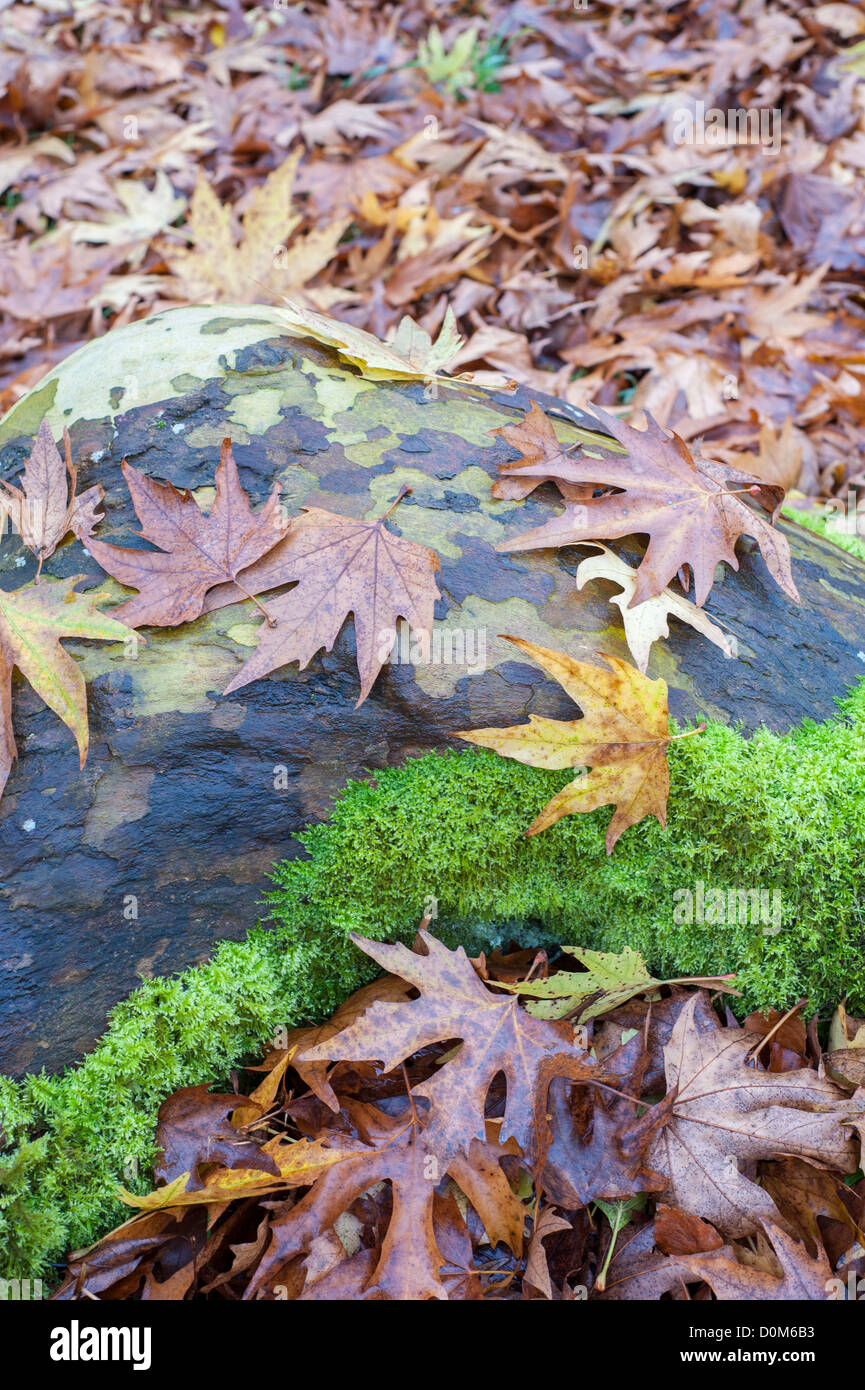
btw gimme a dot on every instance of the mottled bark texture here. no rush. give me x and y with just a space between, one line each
161 845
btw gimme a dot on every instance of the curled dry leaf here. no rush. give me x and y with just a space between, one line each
649 621
45 508
410 355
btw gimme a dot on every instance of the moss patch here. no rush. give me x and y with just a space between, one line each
783 815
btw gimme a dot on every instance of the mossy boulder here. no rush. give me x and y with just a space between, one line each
139 864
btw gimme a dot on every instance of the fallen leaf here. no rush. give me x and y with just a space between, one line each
496 1035
609 980
42 510
803 1276
622 737
649 621
411 355
684 504
199 550
339 566
727 1115
33 619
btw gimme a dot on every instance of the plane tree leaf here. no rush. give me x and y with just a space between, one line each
338 566
45 508
692 509
622 737
649 621
33 619
198 549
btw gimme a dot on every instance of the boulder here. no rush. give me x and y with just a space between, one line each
137 864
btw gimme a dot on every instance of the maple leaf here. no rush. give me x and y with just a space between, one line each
803 1276
685 505
395 1150
199 550
496 1034
535 439
623 737
32 621
340 566
45 508
726 1115
218 269
649 621
411 354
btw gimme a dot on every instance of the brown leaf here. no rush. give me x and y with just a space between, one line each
803 1276
685 505
193 1129
341 566
198 550
409 1265
41 510
727 1115
496 1034
623 737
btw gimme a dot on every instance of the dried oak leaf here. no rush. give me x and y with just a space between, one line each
32 621
803 1276
497 1035
597 1140
339 566
395 1150
685 505
727 1115
194 1128
198 549
45 508
623 737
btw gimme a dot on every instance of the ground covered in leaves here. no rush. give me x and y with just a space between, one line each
523 163
507 1128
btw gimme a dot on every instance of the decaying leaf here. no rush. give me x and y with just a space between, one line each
496 1035
45 508
198 550
33 619
692 509
649 620
803 1276
622 737
727 1115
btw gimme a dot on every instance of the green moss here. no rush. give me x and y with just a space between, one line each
819 522
783 814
